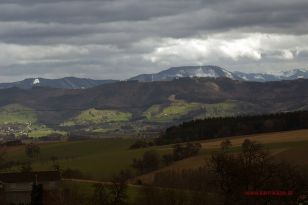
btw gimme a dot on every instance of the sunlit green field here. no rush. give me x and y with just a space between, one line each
40 131
15 113
22 120
180 108
94 116
106 121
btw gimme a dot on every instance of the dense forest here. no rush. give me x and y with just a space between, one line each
234 126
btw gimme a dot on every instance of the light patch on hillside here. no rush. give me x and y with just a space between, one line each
178 109
16 113
94 116
21 120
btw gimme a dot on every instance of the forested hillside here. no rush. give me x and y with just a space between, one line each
132 106
234 126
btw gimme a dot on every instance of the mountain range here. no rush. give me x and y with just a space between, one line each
64 83
187 71
143 104
166 75
265 77
218 72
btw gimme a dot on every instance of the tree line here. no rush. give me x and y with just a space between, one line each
152 160
233 126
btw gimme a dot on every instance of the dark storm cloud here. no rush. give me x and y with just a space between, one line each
140 36
41 21
92 11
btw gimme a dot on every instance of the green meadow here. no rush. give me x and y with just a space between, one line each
97 159
25 120
94 116
180 108
22 119
103 158
86 189
15 113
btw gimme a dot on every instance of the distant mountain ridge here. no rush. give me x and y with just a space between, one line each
165 75
63 83
131 105
265 77
218 72
187 71
137 97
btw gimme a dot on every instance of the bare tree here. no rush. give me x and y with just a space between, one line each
150 161
119 189
101 195
2 155
253 169
32 150
225 144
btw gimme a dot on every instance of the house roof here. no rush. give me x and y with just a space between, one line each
30 177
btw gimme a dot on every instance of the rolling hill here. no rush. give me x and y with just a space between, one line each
16 113
140 104
20 120
94 116
101 159
64 83
288 146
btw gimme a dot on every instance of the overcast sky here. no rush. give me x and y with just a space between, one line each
117 39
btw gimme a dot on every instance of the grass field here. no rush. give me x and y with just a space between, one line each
175 110
15 113
86 189
22 120
40 131
102 159
98 159
179 108
224 109
94 116
106 121
289 146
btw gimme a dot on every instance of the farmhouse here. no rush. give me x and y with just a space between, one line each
16 188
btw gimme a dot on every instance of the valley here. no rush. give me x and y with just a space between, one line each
143 107
154 134
165 102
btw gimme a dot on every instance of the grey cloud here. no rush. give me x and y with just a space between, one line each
65 20
118 34
93 11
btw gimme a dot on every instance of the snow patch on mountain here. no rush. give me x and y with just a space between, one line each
187 71
259 77
201 73
294 72
36 81
228 73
